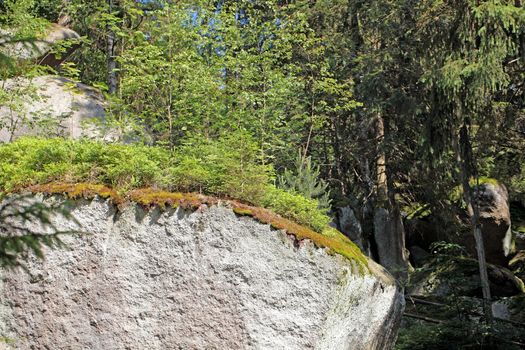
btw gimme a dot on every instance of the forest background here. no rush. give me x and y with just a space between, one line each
398 109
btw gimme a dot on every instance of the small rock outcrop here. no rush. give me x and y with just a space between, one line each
51 106
40 48
495 223
208 279
347 222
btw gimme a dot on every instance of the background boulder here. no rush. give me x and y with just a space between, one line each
38 49
52 106
495 224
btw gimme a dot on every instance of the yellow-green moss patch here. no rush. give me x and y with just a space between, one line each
242 211
76 190
330 238
483 180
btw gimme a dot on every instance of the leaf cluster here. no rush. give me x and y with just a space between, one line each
305 180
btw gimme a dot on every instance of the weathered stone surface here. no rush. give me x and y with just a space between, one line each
51 106
202 280
511 309
390 240
38 48
495 224
348 224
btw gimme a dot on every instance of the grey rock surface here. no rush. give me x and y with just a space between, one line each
52 106
348 224
495 224
37 48
390 240
201 280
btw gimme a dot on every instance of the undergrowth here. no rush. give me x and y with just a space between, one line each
225 168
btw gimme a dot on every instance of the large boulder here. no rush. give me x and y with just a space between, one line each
52 106
193 280
495 223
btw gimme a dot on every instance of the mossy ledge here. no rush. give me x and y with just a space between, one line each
331 239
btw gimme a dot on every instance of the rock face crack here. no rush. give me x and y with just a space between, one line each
203 280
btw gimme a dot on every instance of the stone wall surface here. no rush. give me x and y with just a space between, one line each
139 279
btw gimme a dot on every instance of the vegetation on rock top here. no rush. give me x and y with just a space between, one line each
155 176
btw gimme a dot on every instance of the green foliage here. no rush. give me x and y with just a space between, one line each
457 334
448 309
20 15
305 180
226 167
19 29
30 161
446 250
188 69
229 166
296 207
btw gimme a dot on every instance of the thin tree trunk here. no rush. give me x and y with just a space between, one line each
467 169
389 232
111 62
381 180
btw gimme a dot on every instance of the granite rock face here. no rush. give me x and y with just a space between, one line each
38 48
52 106
494 216
201 280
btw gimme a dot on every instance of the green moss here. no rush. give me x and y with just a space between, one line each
77 190
150 197
243 212
222 169
483 180
146 175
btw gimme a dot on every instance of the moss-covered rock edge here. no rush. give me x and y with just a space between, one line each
330 239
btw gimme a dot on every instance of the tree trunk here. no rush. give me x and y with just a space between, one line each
467 170
111 62
389 233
